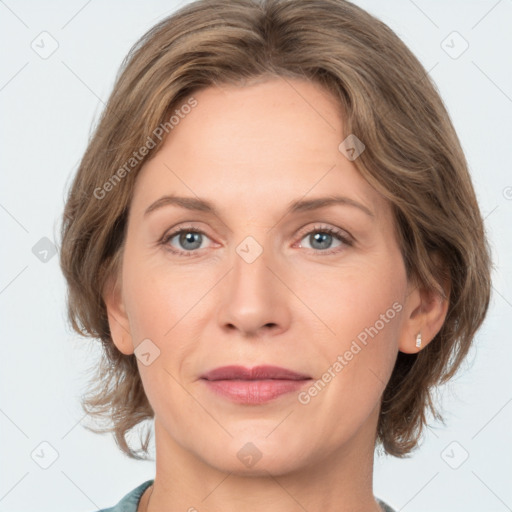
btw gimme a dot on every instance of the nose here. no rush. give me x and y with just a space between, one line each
254 299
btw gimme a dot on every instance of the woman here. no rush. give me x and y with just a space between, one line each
338 267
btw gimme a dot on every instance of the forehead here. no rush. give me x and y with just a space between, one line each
262 144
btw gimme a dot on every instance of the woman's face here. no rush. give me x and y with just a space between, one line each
262 284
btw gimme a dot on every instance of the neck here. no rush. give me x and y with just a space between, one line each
341 481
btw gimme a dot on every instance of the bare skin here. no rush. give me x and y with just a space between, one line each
251 151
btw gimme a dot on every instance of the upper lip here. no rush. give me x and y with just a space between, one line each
257 373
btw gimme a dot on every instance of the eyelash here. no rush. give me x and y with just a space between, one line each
316 229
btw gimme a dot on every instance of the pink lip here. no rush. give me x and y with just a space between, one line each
256 373
255 385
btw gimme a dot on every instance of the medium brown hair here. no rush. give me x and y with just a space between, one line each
413 158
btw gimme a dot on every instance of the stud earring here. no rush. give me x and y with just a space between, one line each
418 340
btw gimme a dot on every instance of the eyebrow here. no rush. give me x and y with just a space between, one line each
301 205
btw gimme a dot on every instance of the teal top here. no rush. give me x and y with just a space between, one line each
131 501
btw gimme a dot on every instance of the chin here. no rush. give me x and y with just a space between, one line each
257 456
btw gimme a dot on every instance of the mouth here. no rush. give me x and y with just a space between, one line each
254 386
256 373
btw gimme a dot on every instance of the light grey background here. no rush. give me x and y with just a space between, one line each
48 106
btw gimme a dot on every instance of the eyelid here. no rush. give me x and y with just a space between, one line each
319 227
172 232
343 236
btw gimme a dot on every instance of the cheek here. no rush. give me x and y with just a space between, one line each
349 301
159 296
160 305
165 306
362 310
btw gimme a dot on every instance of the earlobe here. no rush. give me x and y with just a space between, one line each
117 318
426 312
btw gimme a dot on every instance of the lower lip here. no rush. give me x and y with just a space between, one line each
254 391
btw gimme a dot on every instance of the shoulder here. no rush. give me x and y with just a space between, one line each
384 506
130 501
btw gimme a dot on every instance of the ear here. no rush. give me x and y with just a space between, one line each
117 318
424 312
